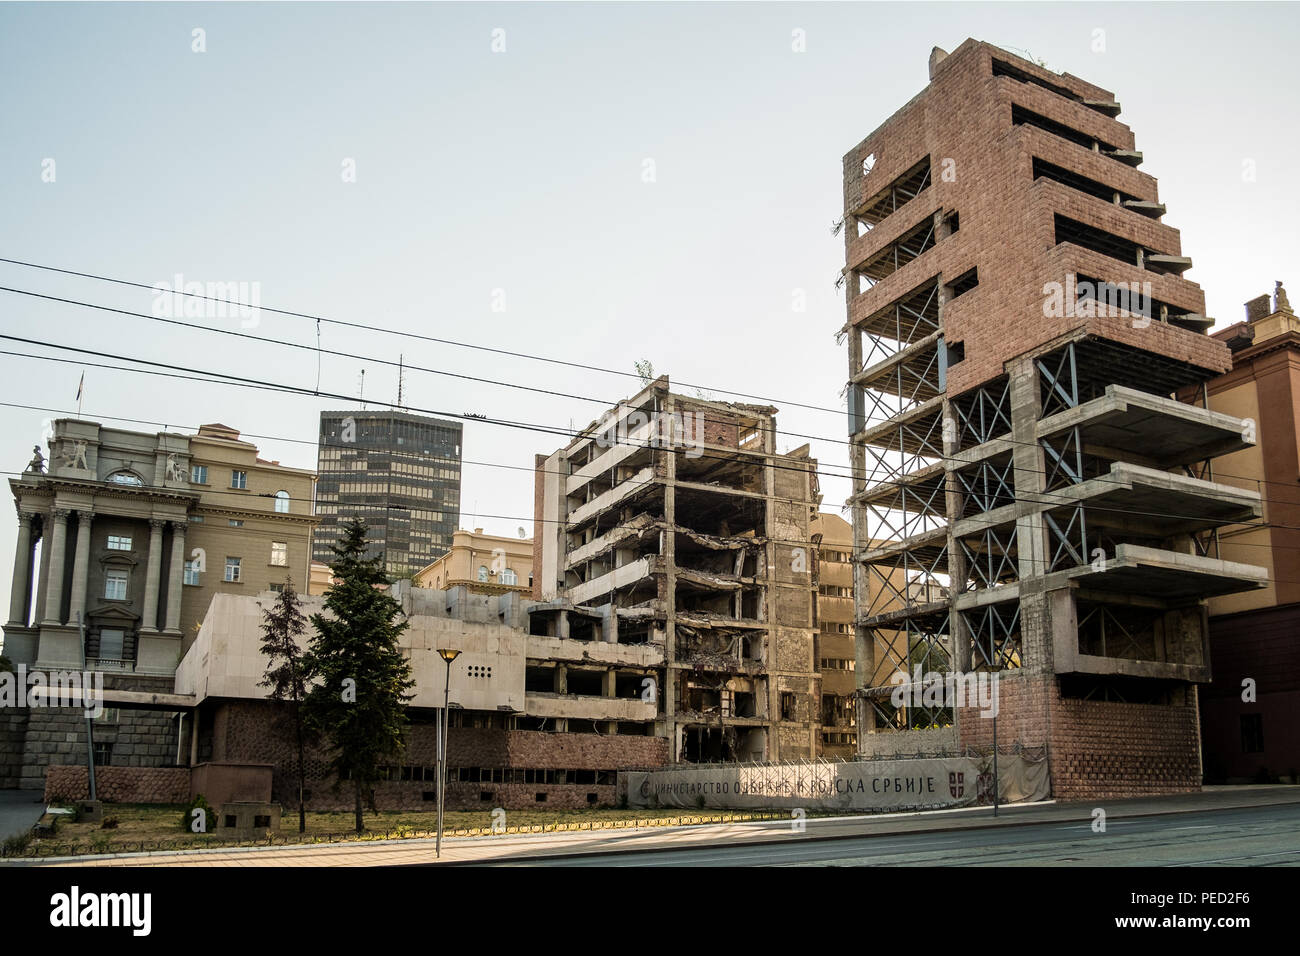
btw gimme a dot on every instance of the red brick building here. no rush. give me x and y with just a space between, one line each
1018 326
1253 636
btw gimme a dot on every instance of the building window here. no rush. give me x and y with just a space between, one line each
482 572
787 705
280 554
119 542
277 588
232 570
1252 733
197 519
198 474
103 755
125 478
236 522
239 479
115 585
282 502
509 577
112 644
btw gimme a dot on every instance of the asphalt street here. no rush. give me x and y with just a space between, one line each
1256 836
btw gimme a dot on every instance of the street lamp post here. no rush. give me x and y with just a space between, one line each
444 728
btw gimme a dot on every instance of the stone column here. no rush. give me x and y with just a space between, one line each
54 570
80 567
176 580
18 606
149 616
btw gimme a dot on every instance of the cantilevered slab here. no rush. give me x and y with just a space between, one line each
927 617
920 491
1138 424
911 431
922 550
1170 574
1157 502
912 373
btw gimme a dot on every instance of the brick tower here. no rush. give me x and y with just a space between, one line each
1018 328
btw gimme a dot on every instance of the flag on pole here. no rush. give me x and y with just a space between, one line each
80 385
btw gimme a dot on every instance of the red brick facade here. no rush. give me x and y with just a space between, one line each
982 165
251 731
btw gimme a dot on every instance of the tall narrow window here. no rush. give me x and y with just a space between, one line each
192 573
280 554
482 572
198 474
115 585
232 570
239 479
282 502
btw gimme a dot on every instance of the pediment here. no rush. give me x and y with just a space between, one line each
113 612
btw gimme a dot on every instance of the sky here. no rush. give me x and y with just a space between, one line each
593 183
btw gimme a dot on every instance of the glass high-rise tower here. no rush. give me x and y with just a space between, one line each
397 472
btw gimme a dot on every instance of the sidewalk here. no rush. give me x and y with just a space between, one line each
485 849
19 809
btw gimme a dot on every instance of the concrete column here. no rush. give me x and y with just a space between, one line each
80 567
176 579
18 606
149 616
54 571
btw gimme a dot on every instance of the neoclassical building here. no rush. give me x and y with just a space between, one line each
137 531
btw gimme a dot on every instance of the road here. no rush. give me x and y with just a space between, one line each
1257 836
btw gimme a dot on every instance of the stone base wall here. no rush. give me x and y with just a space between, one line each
50 736
119 784
258 732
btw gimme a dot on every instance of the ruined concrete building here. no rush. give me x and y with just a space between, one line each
1018 323
672 529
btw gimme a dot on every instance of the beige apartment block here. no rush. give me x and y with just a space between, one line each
483 563
138 531
674 523
832 538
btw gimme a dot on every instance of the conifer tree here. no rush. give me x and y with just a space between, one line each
358 701
283 624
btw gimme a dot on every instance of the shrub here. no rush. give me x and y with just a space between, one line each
187 816
110 823
16 844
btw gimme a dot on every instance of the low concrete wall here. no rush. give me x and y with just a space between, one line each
119 784
232 782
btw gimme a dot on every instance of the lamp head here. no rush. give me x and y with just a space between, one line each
449 654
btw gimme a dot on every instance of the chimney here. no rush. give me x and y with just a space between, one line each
1258 307
937 56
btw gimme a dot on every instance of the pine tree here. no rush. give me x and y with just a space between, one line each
282 626
359 699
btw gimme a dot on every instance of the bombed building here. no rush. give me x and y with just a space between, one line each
673 529
1030 498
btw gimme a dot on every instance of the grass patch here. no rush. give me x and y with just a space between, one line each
154 824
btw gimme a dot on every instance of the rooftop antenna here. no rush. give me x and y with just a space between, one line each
399 381
362 398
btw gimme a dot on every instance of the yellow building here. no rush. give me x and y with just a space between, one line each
836 651
138 531
487 563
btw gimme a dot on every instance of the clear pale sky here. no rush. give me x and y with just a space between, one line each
520 175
